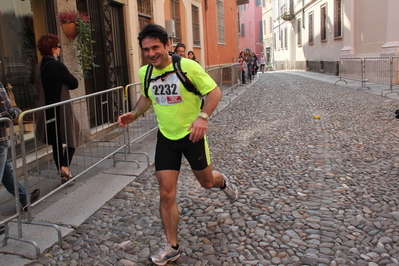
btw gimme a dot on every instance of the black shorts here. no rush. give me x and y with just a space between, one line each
168 153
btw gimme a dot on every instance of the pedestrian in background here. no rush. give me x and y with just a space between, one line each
262 62
243 66
6 171
192 56
250 61
53 82
180 49
182 127
255 66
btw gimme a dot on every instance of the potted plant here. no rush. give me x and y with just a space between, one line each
77 25
68 24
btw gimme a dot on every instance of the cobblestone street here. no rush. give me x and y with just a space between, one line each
314 191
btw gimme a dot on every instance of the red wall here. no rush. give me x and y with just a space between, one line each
220 54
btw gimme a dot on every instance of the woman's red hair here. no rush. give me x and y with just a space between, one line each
46 43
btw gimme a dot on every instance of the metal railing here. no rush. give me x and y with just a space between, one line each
101 138
18 216
104 140
228 78
378 70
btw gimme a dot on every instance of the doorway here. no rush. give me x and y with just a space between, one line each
109 46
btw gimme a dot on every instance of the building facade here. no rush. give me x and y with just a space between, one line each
267 22
221 32
209 28
314 34
251 26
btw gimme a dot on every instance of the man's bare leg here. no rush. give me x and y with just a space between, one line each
167 180
208 178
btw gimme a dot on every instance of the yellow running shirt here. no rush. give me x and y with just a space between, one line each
176 108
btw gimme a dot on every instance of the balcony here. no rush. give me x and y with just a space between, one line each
287 10
242 2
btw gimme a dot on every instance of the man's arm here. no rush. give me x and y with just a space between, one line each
199 126
141 107
6 110
212 100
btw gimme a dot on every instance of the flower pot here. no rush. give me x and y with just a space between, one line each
70 31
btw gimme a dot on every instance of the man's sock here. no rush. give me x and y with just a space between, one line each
224 185
176 247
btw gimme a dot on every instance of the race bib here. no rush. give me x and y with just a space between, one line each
166 91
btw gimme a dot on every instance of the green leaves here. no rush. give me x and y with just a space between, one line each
85 47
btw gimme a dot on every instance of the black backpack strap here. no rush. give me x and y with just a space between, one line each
147 79
182 75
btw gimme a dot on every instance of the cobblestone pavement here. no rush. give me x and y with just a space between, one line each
314 191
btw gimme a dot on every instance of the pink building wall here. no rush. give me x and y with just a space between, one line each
251 18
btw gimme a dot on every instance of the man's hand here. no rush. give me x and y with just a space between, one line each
198 129
125 119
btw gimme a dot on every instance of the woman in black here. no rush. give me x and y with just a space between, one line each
53 84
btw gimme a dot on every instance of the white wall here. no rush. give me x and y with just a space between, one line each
369 28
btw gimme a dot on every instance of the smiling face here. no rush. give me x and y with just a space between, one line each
156 52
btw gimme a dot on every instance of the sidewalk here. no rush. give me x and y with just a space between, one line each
371 87
72 206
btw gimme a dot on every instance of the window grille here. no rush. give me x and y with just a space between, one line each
311 28
220 22
175 7
337 19
323 23
144 7
299 33
196 25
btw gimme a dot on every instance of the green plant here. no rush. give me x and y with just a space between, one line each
85 45
84 40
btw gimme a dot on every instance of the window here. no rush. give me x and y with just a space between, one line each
311 28
323 23
299 32
271 24
285 38
274 41
258 2
242 30
220 20
196 26
281 39
264 27
144 7
337 19
175 7
260 31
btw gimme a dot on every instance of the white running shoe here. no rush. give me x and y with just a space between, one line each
165 254
230 190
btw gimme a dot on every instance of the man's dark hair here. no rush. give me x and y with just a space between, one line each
153 31
180 45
